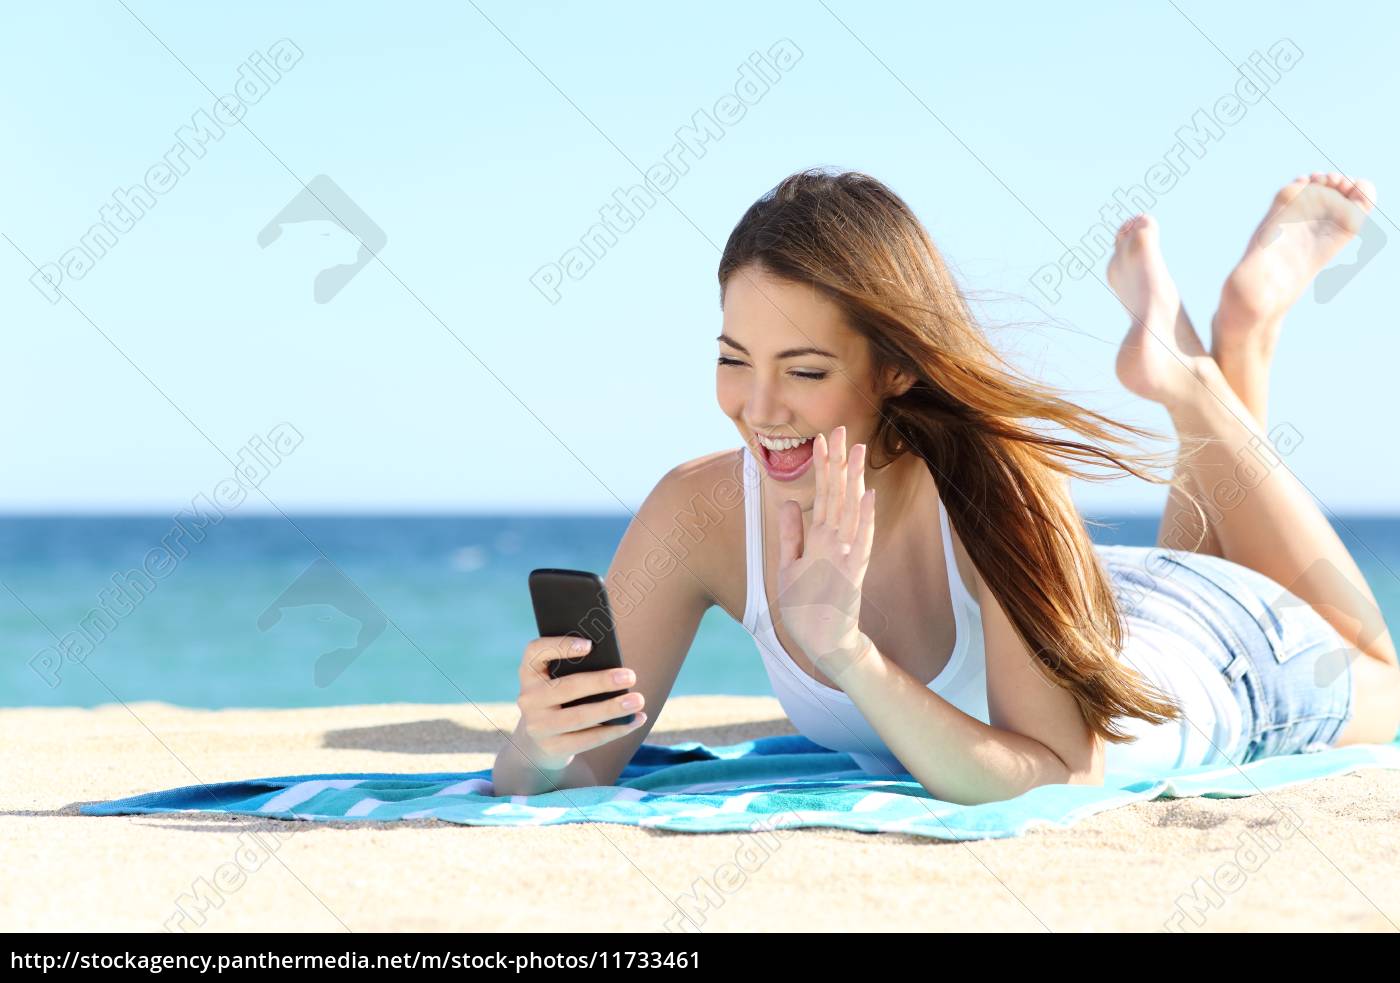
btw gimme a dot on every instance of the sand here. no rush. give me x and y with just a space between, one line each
1134 868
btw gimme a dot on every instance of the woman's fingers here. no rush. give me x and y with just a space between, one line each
855 488
840 483
836 476
839 497
864 536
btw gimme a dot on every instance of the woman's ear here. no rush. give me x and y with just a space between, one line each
898 382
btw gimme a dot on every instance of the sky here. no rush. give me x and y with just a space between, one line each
471 368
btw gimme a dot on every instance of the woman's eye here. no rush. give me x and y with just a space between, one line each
808 376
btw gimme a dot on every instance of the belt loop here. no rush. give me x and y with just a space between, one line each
1237 667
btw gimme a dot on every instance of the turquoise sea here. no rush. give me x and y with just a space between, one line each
437 609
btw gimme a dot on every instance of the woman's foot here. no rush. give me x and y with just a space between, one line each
1309 222
1162 357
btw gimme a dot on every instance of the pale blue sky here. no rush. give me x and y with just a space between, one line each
483 138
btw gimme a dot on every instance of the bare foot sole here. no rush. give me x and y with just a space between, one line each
1308 223
1161 355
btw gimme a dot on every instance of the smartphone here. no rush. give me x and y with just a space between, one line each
575 603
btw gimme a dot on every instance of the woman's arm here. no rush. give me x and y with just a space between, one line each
1037 736
515 774
659 590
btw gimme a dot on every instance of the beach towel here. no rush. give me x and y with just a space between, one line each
777 782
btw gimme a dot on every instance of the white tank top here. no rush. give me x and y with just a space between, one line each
830 718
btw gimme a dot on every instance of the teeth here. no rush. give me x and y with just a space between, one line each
781 445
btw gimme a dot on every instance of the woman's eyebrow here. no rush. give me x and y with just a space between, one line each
789 353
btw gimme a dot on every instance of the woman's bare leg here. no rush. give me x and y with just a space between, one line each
1263 517
1182 526
1307 224
1270 523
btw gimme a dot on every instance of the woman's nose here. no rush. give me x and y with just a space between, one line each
763 404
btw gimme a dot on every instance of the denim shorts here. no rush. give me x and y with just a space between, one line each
1289 669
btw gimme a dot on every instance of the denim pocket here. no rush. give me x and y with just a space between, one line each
1255 594
1296 619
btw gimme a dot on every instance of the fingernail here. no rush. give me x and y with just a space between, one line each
581 645
622 676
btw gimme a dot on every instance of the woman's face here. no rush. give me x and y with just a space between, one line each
789 367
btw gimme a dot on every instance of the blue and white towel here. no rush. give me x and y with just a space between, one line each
769 783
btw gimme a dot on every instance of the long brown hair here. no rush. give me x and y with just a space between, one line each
970 416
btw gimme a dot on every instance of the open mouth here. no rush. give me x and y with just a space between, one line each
790 463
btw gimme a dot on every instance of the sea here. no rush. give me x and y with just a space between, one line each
418 609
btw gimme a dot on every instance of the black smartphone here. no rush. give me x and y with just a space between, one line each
575 603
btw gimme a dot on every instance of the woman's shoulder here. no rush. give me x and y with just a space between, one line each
704 472
700 503
706 492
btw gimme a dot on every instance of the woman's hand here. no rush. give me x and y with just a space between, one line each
820 576
554 731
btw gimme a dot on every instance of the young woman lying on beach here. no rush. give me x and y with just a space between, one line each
966 630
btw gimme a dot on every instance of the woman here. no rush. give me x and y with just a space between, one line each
967 631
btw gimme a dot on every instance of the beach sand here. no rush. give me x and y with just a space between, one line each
1131 868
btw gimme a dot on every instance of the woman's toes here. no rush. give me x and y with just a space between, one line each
1363 192
1290 191
1308 224
1130 225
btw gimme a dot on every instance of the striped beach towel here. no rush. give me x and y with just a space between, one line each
768 783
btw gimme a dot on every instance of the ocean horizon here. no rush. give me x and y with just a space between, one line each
436 608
